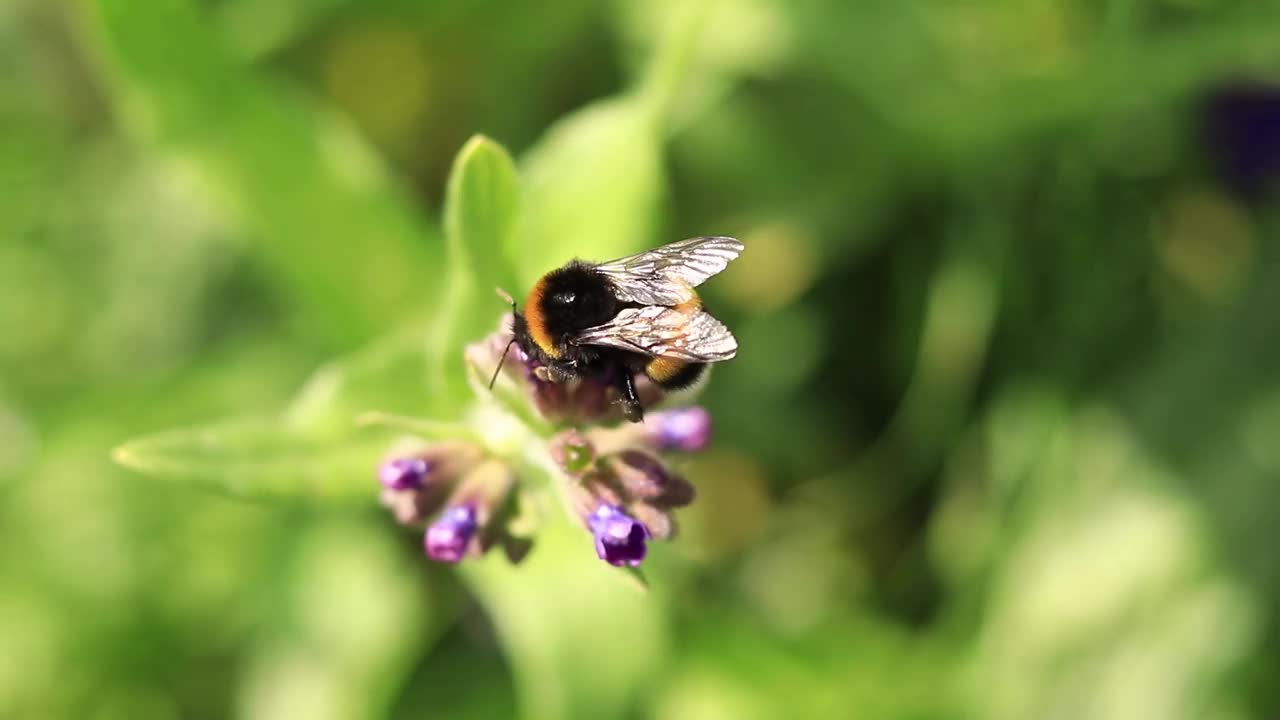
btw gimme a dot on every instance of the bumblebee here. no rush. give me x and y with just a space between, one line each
616 320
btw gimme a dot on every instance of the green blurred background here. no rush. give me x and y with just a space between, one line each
1001 441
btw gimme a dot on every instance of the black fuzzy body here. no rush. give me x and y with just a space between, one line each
574 298
564 303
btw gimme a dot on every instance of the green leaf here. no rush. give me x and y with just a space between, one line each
481 202
512 398
335 233
580 635
261 459
260 29
422 427
388 375
675 82
316 451
480 211
592 187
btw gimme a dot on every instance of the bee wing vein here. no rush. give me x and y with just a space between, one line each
657 330
665 275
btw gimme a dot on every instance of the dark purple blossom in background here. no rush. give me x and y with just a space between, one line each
1242 134
686 429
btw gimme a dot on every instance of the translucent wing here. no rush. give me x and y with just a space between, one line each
670 332
664 276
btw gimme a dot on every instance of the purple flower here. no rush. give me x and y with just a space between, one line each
449 535
687 429
404 473
620 538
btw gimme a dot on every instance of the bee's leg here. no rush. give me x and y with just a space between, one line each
626 384
553 373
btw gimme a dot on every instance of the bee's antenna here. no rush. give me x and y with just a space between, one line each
506 296
501 360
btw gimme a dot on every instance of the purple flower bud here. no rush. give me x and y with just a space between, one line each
639 474
404 473
658 521
687 429
449 535
620 538
642 477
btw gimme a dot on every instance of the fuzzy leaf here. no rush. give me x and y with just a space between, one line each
422 427
388 375
260 459
592 187
480 216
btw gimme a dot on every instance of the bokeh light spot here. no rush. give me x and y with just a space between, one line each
379 75
1206 243
777 266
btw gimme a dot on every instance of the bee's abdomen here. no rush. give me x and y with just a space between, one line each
673 374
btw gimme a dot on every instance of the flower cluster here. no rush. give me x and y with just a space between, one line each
466 495
469 494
